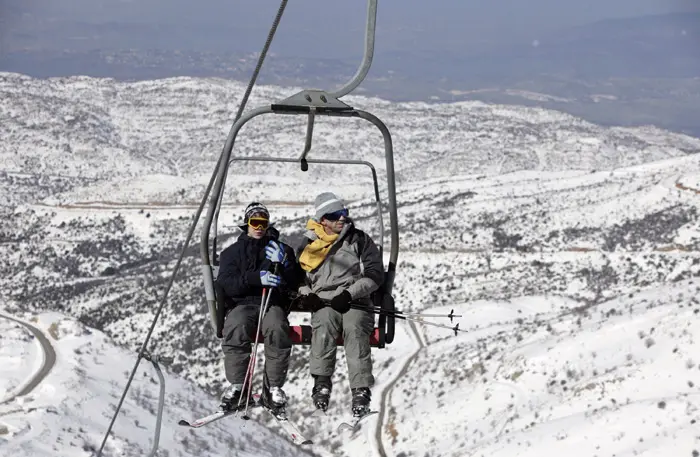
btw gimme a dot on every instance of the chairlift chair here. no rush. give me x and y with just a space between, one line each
301 334
311 103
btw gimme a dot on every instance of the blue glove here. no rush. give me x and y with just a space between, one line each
274 252
269 279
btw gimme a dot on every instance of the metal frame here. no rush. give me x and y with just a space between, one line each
311 109
304 166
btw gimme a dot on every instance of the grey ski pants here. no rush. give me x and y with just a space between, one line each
355 326
239 334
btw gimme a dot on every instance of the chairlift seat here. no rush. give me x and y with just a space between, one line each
300 334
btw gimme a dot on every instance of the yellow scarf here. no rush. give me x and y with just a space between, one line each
315 252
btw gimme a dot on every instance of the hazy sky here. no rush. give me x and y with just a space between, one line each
326 27
311 12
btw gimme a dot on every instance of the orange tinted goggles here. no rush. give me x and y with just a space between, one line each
258 223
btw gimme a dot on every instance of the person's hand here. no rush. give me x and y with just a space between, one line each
341 302
312 302
269 279
274 252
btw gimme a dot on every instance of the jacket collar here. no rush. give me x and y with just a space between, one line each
349 225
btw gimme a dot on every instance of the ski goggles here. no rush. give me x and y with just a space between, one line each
258 223
336 215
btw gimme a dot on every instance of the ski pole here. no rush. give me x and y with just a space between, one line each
248 382
397 313
408 317
414 317
254 356
455 329
263 310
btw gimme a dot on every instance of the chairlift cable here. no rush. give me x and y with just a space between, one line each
142 350
244 100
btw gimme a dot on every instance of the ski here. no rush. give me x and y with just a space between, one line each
355 425
289 428
201 422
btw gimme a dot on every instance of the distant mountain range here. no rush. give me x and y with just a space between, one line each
630 71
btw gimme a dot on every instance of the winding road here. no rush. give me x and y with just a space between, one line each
49 359
386 393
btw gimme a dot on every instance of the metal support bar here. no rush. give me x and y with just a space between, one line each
307 99
215 199
391 188
161 403
366 63
309 136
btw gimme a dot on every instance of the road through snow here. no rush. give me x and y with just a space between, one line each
49 359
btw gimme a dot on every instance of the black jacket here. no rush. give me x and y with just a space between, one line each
240 267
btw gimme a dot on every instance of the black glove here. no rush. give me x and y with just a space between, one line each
312 302
341 302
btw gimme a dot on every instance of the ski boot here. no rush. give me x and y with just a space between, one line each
321 393
274 399
231 398
361 398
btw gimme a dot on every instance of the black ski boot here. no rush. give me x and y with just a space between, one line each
275 400
321 393
231 397
361 398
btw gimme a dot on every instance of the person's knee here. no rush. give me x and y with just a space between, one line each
325 314
357 328
278 336
276 333
326 318
237 336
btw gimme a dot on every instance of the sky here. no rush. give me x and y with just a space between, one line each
321 27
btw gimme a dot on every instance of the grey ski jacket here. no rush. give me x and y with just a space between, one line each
353 263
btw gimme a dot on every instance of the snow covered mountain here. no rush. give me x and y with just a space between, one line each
83 129
561 242
67 414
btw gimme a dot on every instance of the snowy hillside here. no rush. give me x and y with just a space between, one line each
69 412
548 376
531 223
74 130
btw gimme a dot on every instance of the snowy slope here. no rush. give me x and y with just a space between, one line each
469 242
69 412
526 217
546 375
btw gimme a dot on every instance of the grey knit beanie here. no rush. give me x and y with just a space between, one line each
326 203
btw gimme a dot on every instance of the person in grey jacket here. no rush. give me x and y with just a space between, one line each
343 265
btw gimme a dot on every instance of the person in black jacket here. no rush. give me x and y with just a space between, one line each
246 270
